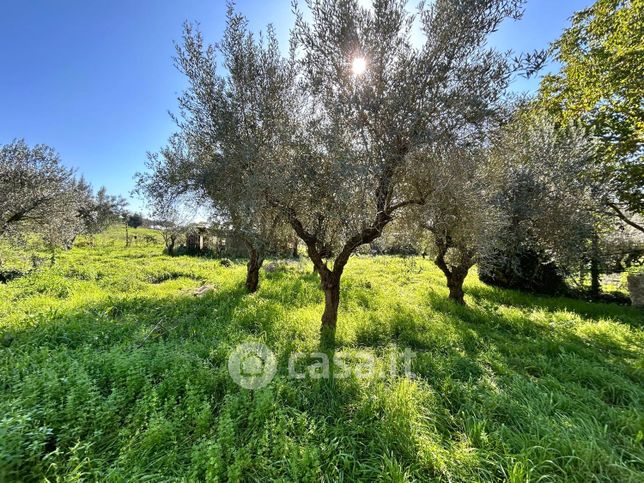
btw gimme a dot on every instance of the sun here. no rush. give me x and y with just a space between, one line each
359 65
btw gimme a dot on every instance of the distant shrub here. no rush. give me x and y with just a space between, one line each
9 274
135 220
524 270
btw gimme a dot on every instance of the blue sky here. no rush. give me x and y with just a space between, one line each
94 78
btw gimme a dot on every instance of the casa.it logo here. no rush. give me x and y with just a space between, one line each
252 365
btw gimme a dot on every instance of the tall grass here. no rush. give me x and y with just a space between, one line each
111 369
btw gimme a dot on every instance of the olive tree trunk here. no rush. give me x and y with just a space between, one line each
595 283
330 278
255 261
330 282
455 284
455 274
170 246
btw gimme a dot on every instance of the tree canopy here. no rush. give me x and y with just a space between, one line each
601 81
313 140
35 188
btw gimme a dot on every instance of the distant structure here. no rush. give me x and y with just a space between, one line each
636 288
221 242
197 239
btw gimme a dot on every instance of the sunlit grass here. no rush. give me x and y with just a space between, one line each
111 369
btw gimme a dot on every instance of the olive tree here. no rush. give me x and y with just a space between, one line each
171 217
371 101
518 200
39 196
622 247
66 219
457 214
326 137
540 183
230 126
98 211
247 121
172 227
35 188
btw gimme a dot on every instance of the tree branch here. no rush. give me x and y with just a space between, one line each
367 235
309 239
440 258
624 218
402 204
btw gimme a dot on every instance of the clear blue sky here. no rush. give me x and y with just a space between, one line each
95 80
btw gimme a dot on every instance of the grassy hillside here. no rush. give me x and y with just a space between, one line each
110 368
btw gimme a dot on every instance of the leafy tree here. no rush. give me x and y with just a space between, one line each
326 138
372 101
101 210
135 220
457 212
540 186
602 82
248 112
172 223
622 247
170 215
35 188
229 129
39 196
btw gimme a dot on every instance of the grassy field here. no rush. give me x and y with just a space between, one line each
111 369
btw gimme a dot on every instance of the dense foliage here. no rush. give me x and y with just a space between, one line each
36 191
601 82
41 197
545 202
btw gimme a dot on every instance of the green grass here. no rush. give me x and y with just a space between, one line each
111 369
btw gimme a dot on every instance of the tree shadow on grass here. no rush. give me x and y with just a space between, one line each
460 350
292 289
519 336
469 341
632 316
139 320
231 315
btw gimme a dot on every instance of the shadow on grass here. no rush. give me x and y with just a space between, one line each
469 341
624 314
496 380
141 320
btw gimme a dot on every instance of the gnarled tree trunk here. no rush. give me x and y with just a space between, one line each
255 261
455 284
330 279
330 283
455 275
